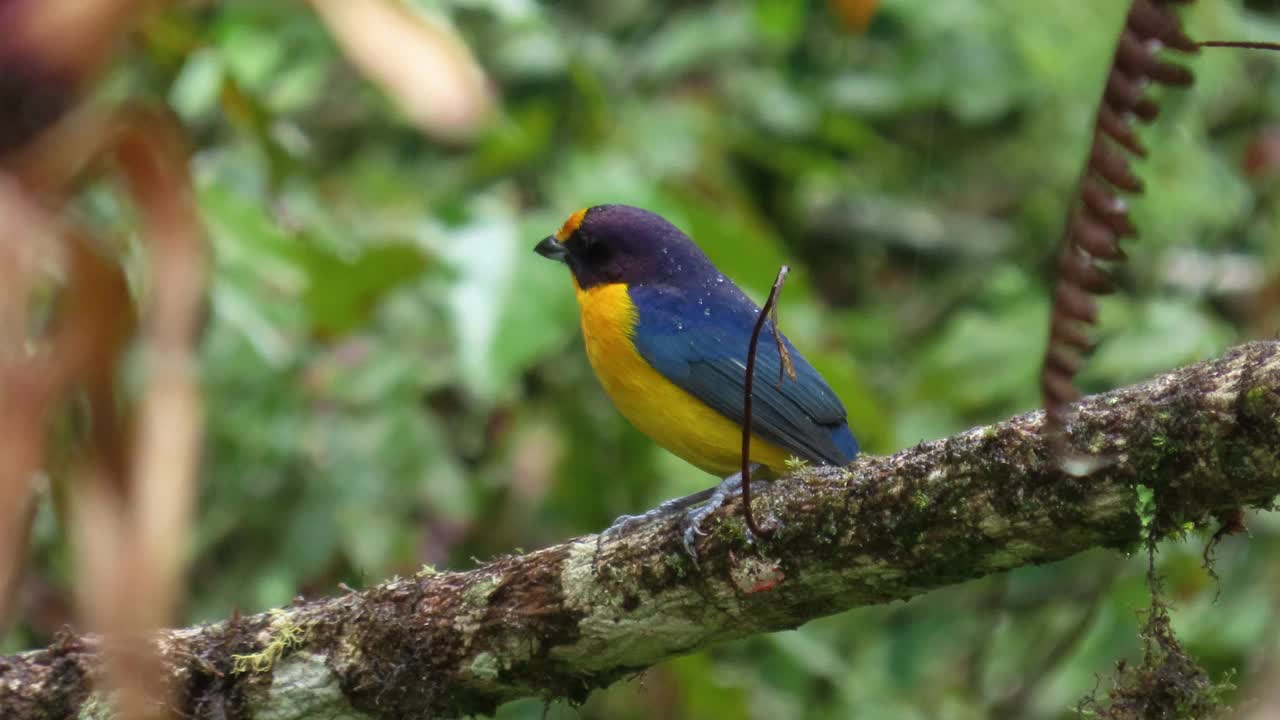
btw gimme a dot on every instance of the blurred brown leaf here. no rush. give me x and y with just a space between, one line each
28 252
427 70
49 50
854 15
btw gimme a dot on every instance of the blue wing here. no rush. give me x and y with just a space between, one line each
698 340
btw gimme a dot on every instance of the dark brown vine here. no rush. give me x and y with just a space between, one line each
1099 217
770 306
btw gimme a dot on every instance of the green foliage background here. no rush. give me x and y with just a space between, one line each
393 378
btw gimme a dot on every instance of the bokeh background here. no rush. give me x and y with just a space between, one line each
392 377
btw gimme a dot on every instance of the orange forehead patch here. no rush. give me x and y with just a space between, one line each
571 225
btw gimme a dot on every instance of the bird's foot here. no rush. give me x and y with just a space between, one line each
694 509
626 523
691 525
623 524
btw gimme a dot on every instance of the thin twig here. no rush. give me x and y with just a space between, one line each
769 305
1243 44
785 366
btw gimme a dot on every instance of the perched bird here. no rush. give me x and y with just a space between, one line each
667 335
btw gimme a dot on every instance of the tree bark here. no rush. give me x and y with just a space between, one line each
562 621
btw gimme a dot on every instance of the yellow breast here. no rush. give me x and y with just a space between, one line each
671 416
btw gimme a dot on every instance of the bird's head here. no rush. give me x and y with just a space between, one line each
608 244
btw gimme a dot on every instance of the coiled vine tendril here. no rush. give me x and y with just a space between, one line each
1099 217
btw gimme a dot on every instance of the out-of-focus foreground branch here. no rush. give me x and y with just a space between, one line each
564 620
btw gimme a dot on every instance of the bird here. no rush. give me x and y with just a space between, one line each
667 335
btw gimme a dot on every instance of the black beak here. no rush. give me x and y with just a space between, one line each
551 248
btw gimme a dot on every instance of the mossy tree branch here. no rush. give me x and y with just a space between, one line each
564 620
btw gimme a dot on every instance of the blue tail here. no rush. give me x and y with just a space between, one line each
845 442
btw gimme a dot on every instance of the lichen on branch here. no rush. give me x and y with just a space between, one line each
564 620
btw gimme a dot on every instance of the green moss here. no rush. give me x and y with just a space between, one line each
485 666
676 563
284 635
795 464
1167 683
732 531
830 532
1145 506
921 499
95 708
1255 401
478 593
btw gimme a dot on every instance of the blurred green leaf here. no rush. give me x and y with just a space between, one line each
341 292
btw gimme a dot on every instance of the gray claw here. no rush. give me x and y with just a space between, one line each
695 508
623 523
692 520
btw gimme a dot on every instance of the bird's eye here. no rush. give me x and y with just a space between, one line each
590 246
